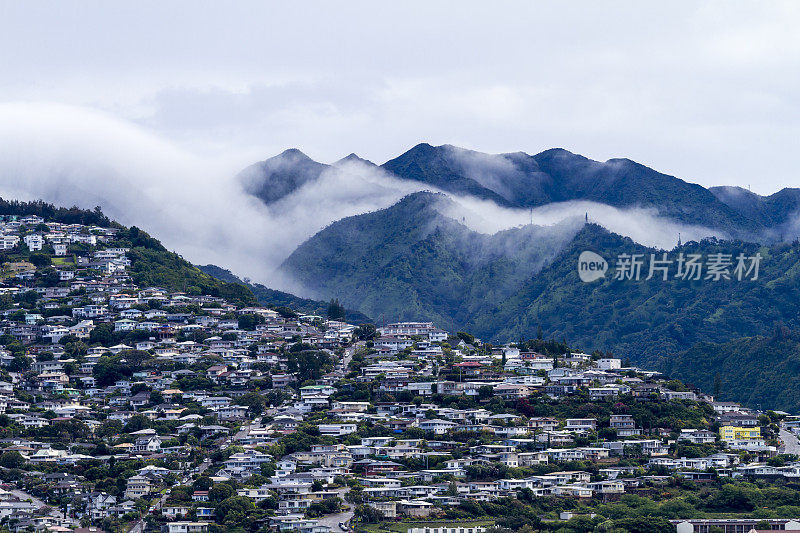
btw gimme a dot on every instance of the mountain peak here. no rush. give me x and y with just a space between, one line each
556 152
419 150
279 176
353 158
423 146
292 152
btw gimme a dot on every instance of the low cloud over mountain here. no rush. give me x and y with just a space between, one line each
252 220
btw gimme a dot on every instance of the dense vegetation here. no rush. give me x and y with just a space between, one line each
153 265
410 262
279 299
651 321
430 267
161 268
65 215
762 371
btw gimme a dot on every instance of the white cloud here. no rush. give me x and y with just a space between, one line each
74 156
702 90
643 225
193 203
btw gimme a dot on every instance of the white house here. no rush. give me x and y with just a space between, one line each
34 242
437 425
609 364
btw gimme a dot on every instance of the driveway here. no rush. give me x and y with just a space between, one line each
791 444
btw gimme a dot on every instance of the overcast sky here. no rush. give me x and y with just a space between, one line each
706 91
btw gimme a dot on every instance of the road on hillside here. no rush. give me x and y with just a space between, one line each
348 354
791 444
333 520
55 512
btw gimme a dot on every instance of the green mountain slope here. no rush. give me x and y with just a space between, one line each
275 298
649 320
759 371
161 268
409 261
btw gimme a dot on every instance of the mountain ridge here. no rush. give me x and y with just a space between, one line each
276 298
411 260
520 180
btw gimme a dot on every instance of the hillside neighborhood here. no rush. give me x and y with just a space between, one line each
142 408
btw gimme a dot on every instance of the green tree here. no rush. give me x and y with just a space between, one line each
336 311
234 510
12 460
369 515
254 402
248 322
39 259
220 492
109 428
102 334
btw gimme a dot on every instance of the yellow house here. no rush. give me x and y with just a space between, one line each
734 433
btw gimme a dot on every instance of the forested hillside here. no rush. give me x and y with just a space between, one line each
275 298
761 371
425 269
648 319
410 262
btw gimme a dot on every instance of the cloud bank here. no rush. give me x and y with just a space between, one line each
643 225
74 156
193 203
